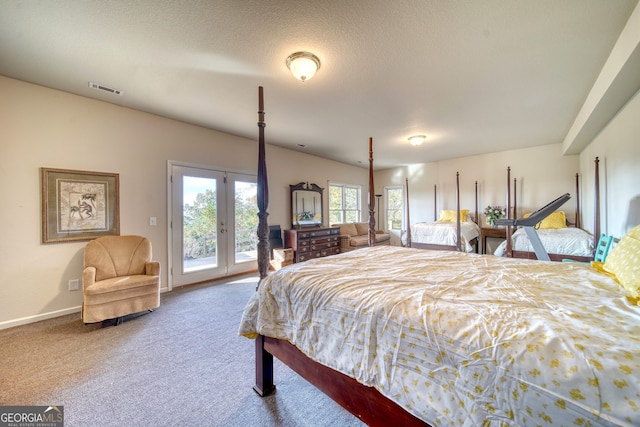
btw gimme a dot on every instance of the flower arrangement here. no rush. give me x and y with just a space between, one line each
492 213
305 216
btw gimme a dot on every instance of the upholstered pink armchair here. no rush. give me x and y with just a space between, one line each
119 278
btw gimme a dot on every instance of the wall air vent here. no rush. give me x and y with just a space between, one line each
104 88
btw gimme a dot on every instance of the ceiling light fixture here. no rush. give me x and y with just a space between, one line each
416 140
303 65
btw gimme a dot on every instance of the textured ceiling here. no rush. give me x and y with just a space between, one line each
474 76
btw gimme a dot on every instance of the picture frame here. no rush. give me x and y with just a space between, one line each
79 205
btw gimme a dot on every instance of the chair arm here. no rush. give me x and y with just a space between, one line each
152 268
88 276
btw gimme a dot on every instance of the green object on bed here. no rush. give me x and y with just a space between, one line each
604 246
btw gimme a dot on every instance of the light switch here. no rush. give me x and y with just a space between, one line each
152 221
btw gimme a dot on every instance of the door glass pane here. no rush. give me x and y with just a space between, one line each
352 204
199 230
394 204
335 205
246 221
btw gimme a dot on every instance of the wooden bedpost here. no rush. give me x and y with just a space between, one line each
263 195
372 203
515 198
509 248
435 203
264 360
509 216
577 221
458 231
596 214
477 219
477 215
408 244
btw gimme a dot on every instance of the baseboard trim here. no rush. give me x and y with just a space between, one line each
38 317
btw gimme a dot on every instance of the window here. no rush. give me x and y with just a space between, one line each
344 203
394 201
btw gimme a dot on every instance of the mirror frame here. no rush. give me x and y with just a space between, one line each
295 211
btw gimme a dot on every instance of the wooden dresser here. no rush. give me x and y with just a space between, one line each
308 243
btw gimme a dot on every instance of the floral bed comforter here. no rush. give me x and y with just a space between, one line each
462 339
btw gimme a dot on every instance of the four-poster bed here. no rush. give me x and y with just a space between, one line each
561 238
454 230
400 336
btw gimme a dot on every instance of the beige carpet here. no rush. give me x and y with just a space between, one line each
182 365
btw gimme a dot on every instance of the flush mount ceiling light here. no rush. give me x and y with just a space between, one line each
416 140
303 65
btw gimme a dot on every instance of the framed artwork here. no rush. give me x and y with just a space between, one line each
79 205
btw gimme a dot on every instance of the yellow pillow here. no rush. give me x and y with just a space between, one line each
556 220
624 262
635 232
450 215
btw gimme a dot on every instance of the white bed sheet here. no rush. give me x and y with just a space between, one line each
444 233
462 339
561 241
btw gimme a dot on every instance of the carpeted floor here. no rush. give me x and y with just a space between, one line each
182 365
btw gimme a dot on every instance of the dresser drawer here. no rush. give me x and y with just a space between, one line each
324 232
313 243
331 251
303 245
323 240
307 256
319 253
324 244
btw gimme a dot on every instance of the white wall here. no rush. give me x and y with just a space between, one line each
542 174
618 147
40 127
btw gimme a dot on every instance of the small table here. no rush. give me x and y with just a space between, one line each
499 232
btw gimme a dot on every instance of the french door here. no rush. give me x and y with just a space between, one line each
213 220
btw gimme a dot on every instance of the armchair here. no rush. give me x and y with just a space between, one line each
119 278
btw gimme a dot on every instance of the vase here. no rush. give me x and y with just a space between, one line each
490 221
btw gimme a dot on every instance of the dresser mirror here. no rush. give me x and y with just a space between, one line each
306 205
